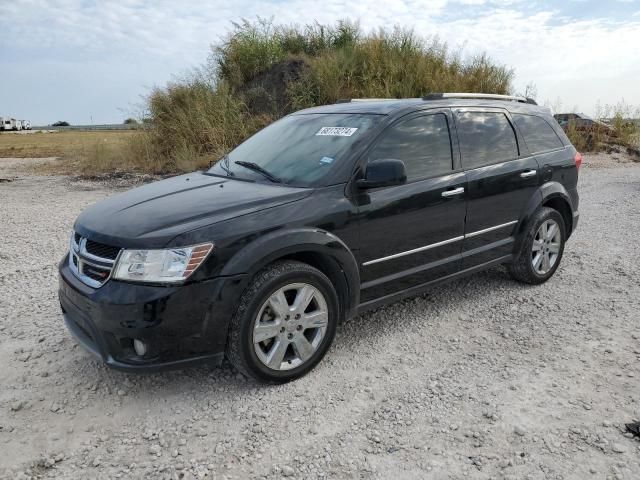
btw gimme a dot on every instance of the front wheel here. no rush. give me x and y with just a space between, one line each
285 323
541 249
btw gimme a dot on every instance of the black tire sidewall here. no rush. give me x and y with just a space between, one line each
253 363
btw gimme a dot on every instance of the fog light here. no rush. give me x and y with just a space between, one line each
140 347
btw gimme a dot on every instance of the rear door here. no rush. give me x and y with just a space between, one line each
502 177
412 233
556 159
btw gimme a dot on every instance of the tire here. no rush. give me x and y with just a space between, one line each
263 299
523 268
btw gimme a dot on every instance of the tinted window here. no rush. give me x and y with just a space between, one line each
298 149
422 143
538 134
485 138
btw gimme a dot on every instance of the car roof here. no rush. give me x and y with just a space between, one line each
393 106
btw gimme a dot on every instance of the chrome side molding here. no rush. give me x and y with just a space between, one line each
439 244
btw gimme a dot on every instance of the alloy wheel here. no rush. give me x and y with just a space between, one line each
546 247
290 326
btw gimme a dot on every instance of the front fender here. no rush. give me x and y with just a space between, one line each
282 243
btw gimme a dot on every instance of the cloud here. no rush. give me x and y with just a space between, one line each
94 58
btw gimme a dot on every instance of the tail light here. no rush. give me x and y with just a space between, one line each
578 159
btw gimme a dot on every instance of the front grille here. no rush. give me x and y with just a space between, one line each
91 261
94 273
102 250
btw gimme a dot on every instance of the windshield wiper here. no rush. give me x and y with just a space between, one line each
257 168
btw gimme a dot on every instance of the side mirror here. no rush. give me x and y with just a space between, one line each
383 173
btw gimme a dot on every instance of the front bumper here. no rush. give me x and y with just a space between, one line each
180 325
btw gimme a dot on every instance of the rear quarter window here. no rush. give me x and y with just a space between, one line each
538 134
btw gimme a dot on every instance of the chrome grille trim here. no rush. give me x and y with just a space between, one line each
78 251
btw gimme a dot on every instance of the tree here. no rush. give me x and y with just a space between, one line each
531 91
130 121
61 123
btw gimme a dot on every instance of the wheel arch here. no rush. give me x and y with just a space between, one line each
318 248
553 195
562 206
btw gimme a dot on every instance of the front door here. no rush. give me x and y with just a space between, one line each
412 233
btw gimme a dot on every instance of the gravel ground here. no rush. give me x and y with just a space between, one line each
482 378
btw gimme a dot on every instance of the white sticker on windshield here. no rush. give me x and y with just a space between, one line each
337 131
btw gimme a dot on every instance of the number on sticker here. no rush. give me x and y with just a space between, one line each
337 131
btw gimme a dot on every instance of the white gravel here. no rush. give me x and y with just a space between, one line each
482 378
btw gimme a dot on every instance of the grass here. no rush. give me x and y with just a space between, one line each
59 144
263 71
622 118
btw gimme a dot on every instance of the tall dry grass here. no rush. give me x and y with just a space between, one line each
621 126
195 120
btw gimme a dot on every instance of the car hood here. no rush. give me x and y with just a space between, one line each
151 215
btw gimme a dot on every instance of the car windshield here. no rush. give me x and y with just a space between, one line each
297 150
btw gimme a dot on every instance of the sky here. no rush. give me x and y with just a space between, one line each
92 61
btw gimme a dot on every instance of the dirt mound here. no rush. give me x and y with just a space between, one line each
615 149
267 92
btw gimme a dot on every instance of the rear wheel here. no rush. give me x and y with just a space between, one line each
285 322
541 249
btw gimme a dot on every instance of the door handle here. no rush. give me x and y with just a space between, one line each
454 192
528 173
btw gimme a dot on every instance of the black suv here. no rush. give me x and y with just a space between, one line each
322 215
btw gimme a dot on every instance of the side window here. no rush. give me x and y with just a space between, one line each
422 143
538 134
485 138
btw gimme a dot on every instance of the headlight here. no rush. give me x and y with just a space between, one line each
162 266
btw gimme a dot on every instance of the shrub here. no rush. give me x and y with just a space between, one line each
195 122
263 71
618 124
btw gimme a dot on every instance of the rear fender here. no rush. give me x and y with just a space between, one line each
542 195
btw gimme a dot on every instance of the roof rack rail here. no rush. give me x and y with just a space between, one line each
349 100
480 96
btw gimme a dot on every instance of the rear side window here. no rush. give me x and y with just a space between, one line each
422 143
486 138
538 134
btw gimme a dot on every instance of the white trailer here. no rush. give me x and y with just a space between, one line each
6 124
17 124
26 124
